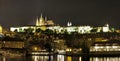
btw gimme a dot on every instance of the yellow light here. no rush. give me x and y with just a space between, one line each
43 28
69 58
68 49
35 48
96 47
0 29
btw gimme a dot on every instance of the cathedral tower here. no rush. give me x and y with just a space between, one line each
37 21
40 21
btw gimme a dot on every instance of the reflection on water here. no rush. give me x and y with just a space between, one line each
60 58
39 58
4 59
69 58
9 58
80 59
57 58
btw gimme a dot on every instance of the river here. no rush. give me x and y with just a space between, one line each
56 58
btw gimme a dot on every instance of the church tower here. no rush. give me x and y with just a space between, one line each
37 21
69 24
41 20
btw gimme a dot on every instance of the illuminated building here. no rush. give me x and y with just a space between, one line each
0 29
69 24
79 29
106 28
44 24
105 46
13 44
60 29
84 29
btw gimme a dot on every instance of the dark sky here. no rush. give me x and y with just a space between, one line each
79 12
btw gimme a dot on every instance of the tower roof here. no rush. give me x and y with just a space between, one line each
41 18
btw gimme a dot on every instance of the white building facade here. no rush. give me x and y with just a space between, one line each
44 24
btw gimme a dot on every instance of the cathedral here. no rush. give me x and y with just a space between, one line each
43 21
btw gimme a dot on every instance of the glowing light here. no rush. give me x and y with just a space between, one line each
61 51
96 59
68 49
35 48
60 57
105 29
80 59
35 58
107 47
4 59
69 58
40 53
114 46
0 29
96 47
43 28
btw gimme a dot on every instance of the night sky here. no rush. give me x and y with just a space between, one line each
79 12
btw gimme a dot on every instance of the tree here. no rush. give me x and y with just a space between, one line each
48 47
93 30
38 30
48 31
29 30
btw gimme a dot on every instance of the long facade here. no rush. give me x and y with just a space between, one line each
44 24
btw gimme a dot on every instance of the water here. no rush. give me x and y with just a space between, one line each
56 58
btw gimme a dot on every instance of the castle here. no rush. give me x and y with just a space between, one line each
44 24
40 21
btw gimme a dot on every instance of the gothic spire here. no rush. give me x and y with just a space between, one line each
37 21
